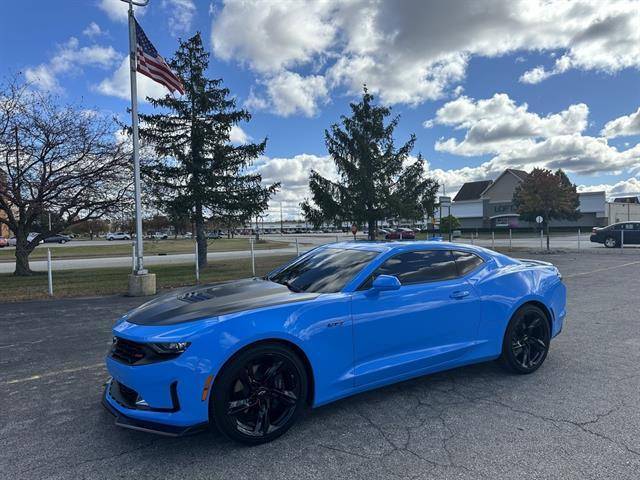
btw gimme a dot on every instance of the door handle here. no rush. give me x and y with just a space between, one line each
460 294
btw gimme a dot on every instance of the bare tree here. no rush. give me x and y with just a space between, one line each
58 160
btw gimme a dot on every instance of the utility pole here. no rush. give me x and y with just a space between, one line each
281 220
141 282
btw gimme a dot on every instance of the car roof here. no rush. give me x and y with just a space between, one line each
403 246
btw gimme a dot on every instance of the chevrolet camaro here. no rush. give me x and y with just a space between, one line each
252 355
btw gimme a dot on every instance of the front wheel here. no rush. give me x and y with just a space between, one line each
526 341
610 242
260 394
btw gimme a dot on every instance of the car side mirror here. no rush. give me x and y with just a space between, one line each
385 282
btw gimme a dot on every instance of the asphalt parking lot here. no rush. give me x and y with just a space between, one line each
577 417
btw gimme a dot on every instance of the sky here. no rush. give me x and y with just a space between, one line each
484 85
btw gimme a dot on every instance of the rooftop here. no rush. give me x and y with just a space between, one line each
472 190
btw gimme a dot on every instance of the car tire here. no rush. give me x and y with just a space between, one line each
267 382
610 242
526 341
62 242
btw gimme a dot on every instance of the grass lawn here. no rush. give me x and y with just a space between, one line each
110 281
123 248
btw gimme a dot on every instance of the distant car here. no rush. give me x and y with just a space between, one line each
58 239
13 240
188 235
213 235
401 234
118 236
612 236
3 242
159 236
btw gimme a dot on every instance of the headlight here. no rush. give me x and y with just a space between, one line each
169 348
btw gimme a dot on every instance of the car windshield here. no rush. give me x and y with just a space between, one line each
323 271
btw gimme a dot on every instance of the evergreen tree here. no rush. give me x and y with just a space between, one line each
375 179
197 169
548 194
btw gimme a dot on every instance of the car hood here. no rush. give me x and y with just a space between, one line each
195 303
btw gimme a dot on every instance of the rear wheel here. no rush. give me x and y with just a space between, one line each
526 341
260 394
610 242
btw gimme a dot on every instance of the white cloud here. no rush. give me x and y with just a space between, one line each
181 15
290 93
520 138
498 122
630 185
93 30
539 73
293 174
43 77
410 52
272 35
238 136
535 75
116 10
69 58
255 102
623 126
118 84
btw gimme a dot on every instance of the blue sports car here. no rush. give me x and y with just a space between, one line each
252 355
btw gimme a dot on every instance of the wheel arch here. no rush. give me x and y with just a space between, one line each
283 342
542 306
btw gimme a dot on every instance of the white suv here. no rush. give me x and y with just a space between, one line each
118 236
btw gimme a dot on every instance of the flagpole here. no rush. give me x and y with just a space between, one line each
139 264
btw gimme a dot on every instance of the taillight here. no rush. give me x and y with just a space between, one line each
594 230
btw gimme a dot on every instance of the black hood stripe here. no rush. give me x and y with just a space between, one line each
191 304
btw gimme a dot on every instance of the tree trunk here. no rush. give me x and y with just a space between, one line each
22 257
201 238
547 229
372 229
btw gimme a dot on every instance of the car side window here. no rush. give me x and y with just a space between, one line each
466 262
417 267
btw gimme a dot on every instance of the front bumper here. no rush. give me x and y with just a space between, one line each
145 425
164 397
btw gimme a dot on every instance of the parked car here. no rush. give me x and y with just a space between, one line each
309 333
214 235
118 236
59 238
401 234
159 236
4 242
617 234
13 240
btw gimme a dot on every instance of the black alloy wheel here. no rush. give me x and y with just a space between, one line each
526 341
260 394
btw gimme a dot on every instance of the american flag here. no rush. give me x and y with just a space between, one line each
151 64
